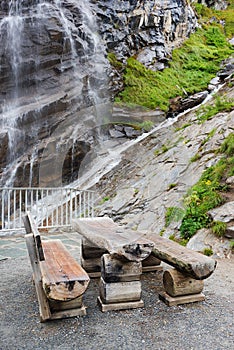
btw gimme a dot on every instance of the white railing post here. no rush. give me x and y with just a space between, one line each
52 207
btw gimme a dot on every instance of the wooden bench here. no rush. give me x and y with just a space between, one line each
59 280
183 284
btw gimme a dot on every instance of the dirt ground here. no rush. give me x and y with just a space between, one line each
198 326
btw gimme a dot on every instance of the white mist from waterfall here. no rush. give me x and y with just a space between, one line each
13 109
13 26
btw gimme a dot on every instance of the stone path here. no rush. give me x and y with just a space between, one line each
15 246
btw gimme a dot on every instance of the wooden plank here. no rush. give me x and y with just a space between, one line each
119 292
30 227
176 283
185 299
69 313
91 251
156 268
120 306
65 305
44 308
117 240
63 278
115 270
91 265
183 259
151 261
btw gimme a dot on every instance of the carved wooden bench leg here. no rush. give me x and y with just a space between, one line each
151 264
180 288
120 285
91 258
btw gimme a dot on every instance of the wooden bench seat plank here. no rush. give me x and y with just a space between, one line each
62 277
188 261
106 234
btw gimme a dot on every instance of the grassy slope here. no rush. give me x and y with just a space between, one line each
192 66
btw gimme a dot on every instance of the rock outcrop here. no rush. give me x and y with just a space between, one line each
155 174
53 69
148 30
54 73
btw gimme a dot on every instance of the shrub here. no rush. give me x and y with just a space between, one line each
208 251
219 228
196 157
220 105
228 145
173 214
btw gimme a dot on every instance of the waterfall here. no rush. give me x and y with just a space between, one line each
52 65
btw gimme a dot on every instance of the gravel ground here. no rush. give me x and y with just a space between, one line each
204 325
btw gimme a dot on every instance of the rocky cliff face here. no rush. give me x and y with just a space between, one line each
52 67
54 73
148 30
155 174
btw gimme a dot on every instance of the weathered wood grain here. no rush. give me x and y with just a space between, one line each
106 234
183 259
115 270
91 265
119 306
119 292
66 305
176 284
91 251
180 300
62 277
44 309
151 261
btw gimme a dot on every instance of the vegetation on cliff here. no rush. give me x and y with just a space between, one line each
192 66
206 194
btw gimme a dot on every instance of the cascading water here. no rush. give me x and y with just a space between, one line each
52 67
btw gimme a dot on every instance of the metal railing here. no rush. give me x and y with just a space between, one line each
51 207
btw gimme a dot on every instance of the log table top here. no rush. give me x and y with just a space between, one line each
137 246
106 234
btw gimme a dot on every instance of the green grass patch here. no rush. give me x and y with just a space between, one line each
192 67
205 195
227 146
184 126
206 14
209 111
114 61
219 228
232 245
103 200
196 157
208 251
209 136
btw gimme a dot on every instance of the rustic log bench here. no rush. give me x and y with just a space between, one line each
183 284
59 280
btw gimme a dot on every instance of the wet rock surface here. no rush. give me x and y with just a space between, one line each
155 173
53 65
